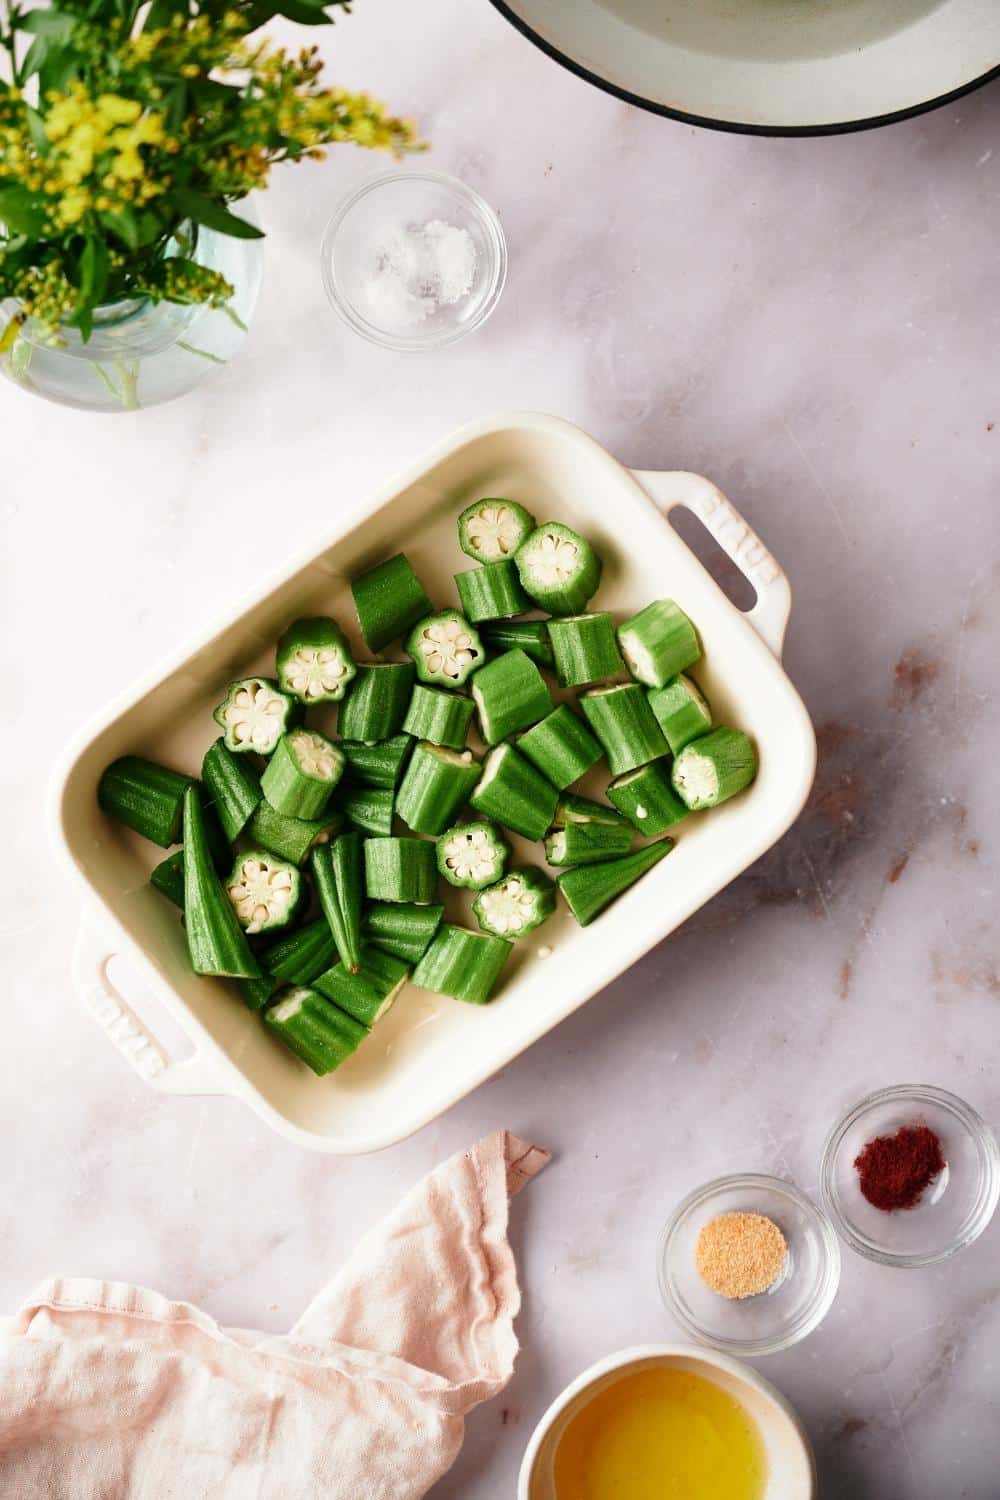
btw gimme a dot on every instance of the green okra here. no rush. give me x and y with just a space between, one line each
529 636
713 768
439 717
647 798
658 642
585 648
400 869
681 710
336 870
146 797
561 747
514 794
234 787
302 773
587 843
510 694
389 599
471 855
445 648
625 724
292 838
376 701
168 877
316 1030
370 808
558 568
216 942
493 529
254 714
379 765
314 661
367 992
588 889
265 892
436 785
400 928
492 592
292 958
462 964
574 809
517 904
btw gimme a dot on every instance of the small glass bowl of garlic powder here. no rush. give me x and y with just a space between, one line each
414 260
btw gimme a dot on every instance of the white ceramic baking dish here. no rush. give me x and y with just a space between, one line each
430 1052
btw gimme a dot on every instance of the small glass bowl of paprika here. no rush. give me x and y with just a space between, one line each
910 1175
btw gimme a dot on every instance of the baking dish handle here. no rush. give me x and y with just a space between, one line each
769 616
198 1074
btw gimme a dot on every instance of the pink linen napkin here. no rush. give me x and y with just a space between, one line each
110 1392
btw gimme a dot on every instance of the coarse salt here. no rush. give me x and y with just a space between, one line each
419 269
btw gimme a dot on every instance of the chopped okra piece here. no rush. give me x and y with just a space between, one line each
255 714
493 529
530 636
574 809
517 904
301 774
216 942
234 787
293 958
401 928
336 870
265 892
588 889
445 649
471 855
370 808
681 710
317 1031
376 701
378 765
587 843
624 723
558 568
658 642
369 991
585 648
436 785
492 592
168 877
400 869
561 747
648 799
514 794
314 661
462 964
292 838
714 768
510 694
145 797
442 718
389 599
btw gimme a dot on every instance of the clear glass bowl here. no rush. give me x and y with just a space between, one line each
957 1205
373 228
777 1318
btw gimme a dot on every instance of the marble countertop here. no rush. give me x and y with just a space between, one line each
814 325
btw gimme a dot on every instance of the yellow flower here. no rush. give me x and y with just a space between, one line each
72 206
114 110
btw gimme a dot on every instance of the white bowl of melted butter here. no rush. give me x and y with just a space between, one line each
665 1419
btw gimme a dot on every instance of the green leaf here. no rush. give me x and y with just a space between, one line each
22 211
36 129
93 272
46 23
205 210
123 226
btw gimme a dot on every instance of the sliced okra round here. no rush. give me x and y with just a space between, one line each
368 991
234 788
146 797
558 568
436 786
492 592
389 599
514 794
493 529
438 716
714 768
471 855
302 773
445 648
682 711
216 942
376 701
625 724
529 636
516 905
378 765
369 808
561 747
292 838
658 642
462 964
400 869
401 928
585 648
264 891
587 843
588 889
510 694
254 714
315 1029
314 661
647 798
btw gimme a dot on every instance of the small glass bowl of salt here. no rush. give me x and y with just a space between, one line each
414 260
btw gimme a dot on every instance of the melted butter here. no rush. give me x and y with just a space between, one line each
661 1434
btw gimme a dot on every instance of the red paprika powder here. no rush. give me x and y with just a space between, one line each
894 1170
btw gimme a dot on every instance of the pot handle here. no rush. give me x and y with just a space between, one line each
198 1074
769 616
